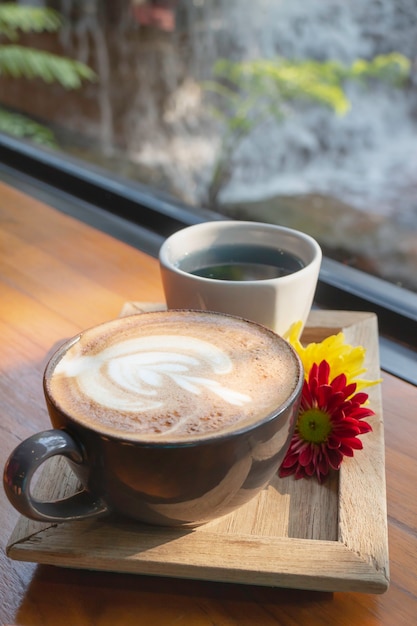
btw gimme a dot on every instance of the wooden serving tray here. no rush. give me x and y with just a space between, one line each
298 534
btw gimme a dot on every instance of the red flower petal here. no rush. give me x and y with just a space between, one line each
346 450
285 471
306 398
361 412
323 393
289 460
339 383
360 397
346 416
344 431
334 401
335 458
323 373
350 389
364 427
306 456
354 443
309 469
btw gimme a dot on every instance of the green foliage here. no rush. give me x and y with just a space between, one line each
393 68
22 62
15 18
19 62
250 92
273 84
23 127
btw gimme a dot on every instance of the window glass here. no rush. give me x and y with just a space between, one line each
293 112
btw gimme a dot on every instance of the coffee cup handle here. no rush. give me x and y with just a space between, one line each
21 466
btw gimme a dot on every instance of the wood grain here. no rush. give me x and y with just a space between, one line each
43 255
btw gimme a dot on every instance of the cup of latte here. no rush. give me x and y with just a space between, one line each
170 417
259 271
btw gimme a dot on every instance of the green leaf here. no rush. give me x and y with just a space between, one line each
394 68
15 17
19 62
283 80
23 127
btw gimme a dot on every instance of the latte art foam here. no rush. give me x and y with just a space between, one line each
134 374
176 375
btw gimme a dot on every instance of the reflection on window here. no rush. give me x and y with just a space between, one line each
299 113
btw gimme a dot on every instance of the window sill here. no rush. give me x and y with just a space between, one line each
144 219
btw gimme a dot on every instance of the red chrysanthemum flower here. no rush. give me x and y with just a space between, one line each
330 419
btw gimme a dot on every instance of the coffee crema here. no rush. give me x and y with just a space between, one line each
173 375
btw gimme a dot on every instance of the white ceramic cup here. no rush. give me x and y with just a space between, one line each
274 302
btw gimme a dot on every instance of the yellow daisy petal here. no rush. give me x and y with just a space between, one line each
342 357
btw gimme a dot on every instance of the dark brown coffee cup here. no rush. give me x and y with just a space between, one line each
159 464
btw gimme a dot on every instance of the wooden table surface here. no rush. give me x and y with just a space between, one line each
58 276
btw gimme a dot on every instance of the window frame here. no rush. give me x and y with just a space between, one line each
144 217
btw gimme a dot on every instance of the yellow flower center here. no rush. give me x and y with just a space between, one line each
314 426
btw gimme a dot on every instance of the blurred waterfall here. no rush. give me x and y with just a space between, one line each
369 156
152 106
